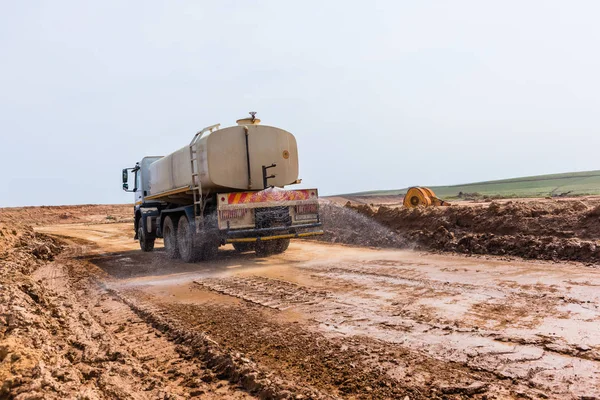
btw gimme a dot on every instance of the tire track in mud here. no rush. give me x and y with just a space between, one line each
126 357
173 371
339 367
267 292
198 345
151 356
539 361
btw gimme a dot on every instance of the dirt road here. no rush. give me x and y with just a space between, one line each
333 321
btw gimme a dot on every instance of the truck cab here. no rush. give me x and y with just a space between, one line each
140 179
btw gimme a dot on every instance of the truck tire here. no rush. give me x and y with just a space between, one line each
146 243
270 247
264 248
243 246
170 237
280 245
186 241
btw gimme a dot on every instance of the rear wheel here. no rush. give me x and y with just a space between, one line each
265 248
280 245
146 243
269 247
243 246
170 237
185 241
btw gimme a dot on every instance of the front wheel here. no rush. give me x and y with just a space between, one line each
146 243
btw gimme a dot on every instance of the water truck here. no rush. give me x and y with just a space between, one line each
226 186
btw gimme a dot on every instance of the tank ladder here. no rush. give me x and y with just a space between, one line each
196 186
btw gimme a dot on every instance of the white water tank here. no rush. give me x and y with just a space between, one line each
223 161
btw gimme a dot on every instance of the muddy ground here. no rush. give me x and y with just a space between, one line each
85 314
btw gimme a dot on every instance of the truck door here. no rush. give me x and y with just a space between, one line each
138 187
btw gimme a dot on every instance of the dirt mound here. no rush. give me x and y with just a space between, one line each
25 320
47 215
565 230
22 250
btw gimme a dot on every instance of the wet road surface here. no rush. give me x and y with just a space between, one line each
355 322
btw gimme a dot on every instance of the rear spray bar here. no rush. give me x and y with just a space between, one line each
287 236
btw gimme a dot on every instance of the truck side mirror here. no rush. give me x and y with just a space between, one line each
125 179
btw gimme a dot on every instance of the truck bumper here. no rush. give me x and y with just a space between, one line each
283 232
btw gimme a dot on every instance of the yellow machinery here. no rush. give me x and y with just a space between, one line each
422 197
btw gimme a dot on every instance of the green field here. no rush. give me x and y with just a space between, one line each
573 184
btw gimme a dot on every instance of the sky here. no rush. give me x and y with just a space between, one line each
379 94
